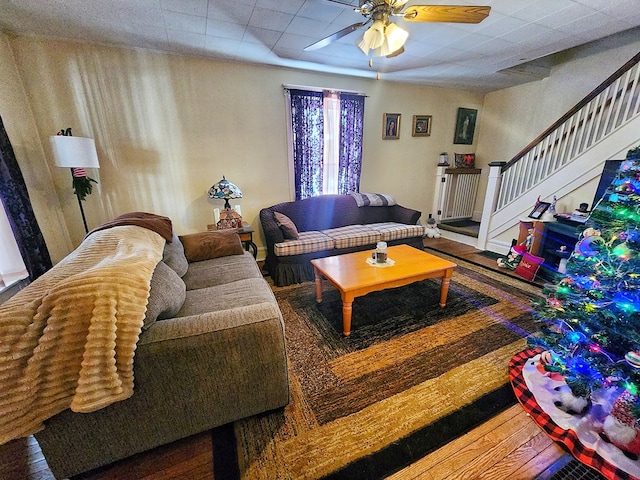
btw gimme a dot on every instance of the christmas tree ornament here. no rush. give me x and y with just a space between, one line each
633 359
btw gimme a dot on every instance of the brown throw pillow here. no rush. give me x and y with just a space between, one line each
289 229
212 244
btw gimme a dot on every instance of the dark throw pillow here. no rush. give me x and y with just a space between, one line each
166 296
173 255
211 244
289 229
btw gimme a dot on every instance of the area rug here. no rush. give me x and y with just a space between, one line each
411 377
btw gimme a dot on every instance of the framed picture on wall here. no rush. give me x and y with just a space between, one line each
421 126
391 126
465 126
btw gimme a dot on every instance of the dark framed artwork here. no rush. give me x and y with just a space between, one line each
391 126
465 126
421 126
539 209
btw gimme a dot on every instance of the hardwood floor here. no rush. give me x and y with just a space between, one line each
471 254
509 446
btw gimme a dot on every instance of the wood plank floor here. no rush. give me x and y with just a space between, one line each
471 254
509 446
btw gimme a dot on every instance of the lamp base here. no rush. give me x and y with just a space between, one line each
229 218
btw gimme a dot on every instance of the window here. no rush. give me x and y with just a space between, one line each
325 132
12 266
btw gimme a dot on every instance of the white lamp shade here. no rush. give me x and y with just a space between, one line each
373 37
395 39
383 40
74 152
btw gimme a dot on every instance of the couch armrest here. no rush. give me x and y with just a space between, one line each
405 215
192 374
272 232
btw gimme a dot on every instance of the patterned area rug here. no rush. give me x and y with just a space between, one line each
411 377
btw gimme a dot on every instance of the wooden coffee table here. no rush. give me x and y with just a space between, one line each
354 277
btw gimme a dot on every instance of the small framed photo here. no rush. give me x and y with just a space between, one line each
391 126
421 126
537 212
465 126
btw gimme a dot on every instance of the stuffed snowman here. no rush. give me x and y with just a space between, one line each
432 230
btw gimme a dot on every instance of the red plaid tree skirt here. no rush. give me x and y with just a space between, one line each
593 458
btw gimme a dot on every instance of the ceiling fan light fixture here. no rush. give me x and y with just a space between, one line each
395 37
373 38
397 3
383 39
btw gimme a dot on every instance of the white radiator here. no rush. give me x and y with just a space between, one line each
459 187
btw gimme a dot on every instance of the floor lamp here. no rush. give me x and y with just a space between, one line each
76 153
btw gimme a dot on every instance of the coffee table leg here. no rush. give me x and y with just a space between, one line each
444 288
347 308
318 276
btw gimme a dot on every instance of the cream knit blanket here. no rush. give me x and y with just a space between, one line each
69 338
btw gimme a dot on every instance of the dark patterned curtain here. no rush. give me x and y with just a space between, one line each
15 199
308 141
351 133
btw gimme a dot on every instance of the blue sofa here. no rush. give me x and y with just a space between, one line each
331 225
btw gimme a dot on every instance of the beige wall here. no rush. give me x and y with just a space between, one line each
514 117
20 126
167 127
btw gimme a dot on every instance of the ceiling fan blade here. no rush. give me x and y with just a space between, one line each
446 13
333 37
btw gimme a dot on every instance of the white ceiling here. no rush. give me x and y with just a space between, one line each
504 50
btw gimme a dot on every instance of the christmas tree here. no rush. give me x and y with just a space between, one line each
591 316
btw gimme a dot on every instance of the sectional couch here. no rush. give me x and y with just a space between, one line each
297 232
211 346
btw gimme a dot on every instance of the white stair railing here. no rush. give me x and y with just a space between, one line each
607 109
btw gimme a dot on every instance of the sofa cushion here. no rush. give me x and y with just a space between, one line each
307 242
173 255
390 231
287 226
166 296
217 271
241 293
353 236
211 244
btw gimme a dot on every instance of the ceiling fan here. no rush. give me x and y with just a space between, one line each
385 38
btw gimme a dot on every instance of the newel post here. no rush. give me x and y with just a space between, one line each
490 201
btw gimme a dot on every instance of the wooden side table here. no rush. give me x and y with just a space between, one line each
246 237
538 232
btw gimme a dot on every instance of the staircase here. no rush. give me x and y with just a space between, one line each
570 153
